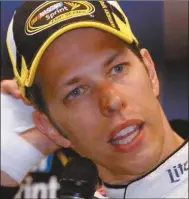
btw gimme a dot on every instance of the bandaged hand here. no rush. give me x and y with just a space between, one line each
22 144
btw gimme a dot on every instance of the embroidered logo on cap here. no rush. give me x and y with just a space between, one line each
51 13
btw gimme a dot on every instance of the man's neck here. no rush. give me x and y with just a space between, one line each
172 141
125 179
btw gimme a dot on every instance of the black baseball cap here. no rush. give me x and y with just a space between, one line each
36 24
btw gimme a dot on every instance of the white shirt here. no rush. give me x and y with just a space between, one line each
168 180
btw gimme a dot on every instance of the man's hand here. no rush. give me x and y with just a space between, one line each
10 87
38 139
32 135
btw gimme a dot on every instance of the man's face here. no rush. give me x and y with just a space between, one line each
100 93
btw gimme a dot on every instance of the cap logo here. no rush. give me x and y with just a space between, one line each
51 13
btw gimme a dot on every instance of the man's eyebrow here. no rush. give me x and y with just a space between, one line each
74 80
113 57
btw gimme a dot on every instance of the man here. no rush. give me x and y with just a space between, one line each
80 65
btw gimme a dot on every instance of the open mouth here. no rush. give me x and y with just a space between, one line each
125 137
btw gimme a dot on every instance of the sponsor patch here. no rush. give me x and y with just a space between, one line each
51 13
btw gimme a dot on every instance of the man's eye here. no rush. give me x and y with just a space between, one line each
75 93
117 69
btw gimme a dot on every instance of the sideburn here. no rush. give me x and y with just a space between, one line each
35 95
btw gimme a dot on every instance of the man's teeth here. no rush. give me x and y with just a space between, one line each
125 131
127 139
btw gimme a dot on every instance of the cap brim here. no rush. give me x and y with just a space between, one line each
127 37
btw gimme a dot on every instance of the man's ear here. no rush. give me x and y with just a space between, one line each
151 71
44 125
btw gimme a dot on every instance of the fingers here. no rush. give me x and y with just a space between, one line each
40 141
44 125
10 87
27 102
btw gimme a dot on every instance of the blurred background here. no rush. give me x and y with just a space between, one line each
161 27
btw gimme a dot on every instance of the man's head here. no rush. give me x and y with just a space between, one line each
97 88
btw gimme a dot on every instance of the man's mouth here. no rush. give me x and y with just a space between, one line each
125 135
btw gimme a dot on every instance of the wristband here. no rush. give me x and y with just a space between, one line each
17 155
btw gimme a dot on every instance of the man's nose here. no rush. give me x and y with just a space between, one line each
111 101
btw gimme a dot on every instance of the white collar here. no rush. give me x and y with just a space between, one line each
160 182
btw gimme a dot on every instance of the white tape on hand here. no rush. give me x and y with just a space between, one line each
15 115
17 155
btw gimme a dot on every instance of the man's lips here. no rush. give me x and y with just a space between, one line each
125 130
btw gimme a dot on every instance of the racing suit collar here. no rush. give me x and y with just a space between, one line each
159 182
